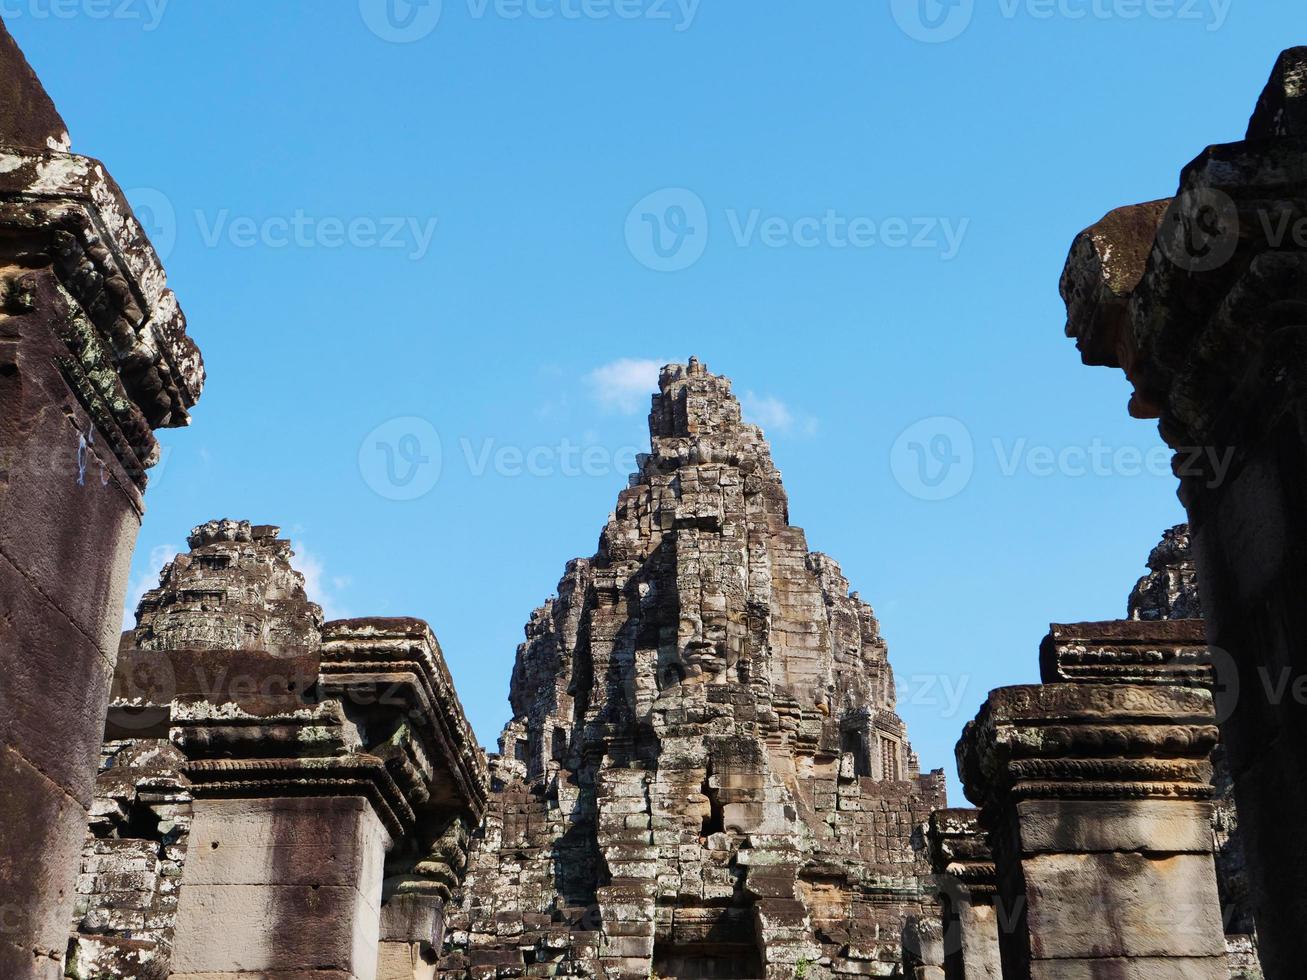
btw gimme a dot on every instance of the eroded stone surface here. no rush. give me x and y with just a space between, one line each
27 115
705 774
277 794
1170 589
94 356
234 590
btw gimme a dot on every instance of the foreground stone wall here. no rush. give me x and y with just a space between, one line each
93 358
1201 301
277 794
705 775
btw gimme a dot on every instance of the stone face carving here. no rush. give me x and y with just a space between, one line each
1170 589
705 774
234 590
277 794
93 358
1202 303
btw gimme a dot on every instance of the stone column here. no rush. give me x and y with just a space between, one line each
1169 652
331 775
1095 798
1202 301
963 863
93 357
923 949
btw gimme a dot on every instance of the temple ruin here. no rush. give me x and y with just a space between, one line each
94 357
275 793
704 774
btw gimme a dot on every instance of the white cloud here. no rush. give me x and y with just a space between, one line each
321 587
774 416
625 385
160 555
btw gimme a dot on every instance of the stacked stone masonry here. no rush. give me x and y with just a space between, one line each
276 794
94 357
704 775
1201 302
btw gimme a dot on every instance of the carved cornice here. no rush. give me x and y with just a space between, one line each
1104 741
347 775
131 362
959 852
1170 651
395 667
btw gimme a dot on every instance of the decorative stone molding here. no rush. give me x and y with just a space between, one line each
966 888
129 360
1089 741
1122 651
93 357
287 731
1095 798
1206 313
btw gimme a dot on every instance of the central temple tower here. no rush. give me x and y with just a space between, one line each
704 775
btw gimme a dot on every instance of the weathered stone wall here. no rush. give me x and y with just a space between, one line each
93 358
1201 301
705 774
277 794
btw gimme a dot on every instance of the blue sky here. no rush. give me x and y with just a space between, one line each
861 213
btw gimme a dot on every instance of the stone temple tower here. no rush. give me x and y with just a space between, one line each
704 775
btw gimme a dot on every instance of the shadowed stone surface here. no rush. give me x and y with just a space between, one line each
279 796
94 357
1213 337
28 117
705 775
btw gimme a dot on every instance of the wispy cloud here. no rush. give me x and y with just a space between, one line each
626 384
775 416
160 555
322 588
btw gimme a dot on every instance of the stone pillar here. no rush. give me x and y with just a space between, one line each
328 776
93 357
963 863
923 949
1095 798
281 883
1202 301
1169 652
